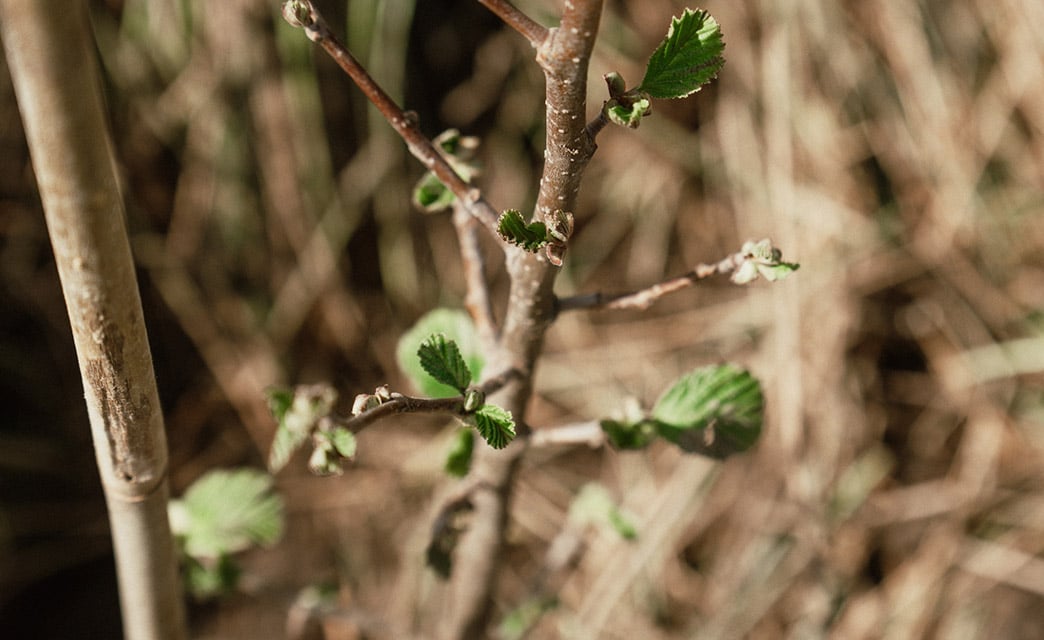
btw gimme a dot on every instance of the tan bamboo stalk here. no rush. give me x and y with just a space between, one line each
52 63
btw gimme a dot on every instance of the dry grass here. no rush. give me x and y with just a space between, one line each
895 149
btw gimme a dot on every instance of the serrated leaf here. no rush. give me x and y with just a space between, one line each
458 461
227 511
441 359
716 411
455 325
495 425
689 57
512 228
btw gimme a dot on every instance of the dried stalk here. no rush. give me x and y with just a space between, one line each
56 83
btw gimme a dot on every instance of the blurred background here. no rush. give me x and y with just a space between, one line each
894 149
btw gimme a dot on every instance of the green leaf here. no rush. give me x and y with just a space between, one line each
430 195
716 411
227 511
441 359
343 442
512 228
495 425
458 461
456 325
627 113
689 57
296 411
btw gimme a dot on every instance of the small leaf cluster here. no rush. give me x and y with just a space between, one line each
762 259
222 513
688 58
715 411
441 359
302 413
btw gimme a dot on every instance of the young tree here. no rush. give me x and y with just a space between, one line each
714 411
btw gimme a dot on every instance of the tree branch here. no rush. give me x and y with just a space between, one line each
520 22
398 403
476 297
301 13
745 265
564 56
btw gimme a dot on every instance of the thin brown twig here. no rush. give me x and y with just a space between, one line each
303 14
517 20
399 404
644 298
476 298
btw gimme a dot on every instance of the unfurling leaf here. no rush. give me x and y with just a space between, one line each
689 57
456 325
495 425
441 358
716 411
628 113
512 228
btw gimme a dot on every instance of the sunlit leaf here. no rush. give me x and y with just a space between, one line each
456 325
716 411
512 228
495 425
689 57
441 359
227 511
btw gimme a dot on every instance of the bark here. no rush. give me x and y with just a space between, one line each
52 64
564 56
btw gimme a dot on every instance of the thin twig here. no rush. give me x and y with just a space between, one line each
585 433
644 298
476 299
514 18
303 14
399 404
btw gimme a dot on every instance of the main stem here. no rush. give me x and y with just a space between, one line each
52 65
564 56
